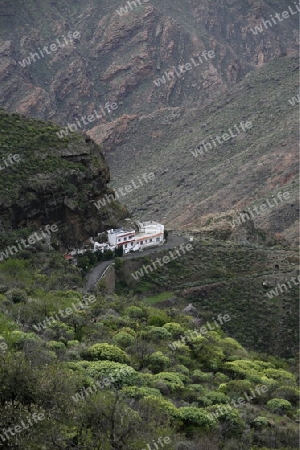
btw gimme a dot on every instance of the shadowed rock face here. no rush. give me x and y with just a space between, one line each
56 181
117 58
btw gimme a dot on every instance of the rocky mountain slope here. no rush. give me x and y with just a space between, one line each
47 180
120 58
198 177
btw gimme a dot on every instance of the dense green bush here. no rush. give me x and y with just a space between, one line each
134 312
175 329
217 397
198 375
54 345
157 318
107 352
156 334
182 388
119 374
172 380
141 392
16 295
260 422
289 393
232 423
123 339
19 339
158 362
279 405
59 331
196 416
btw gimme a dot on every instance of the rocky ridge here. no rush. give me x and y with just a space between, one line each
56 181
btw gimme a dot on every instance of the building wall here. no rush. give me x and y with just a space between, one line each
150 227
150 234
120 238
151 241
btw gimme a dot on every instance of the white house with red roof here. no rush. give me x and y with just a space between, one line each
150 234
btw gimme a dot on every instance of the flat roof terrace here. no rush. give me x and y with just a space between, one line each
120 231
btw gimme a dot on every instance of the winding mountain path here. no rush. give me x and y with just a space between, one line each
96 273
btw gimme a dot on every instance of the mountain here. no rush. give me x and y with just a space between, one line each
48 180
198 177
238 72
185 112
118 57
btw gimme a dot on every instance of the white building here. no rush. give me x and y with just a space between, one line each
150 234
122 238
101 247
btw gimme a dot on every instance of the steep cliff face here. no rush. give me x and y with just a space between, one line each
119 57
127 58
196 175
46 180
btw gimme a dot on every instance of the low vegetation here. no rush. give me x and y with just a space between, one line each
102 372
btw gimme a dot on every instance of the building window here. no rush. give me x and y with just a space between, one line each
125 238
141 242
131 244
125 245
150 240
157 239
119 240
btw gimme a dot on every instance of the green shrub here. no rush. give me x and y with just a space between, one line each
120 374
159 314
180 368
249 369
195 416
281 375
128 330
107 352
198 388
134 312
278 405
233 424
260 422
198 375
158 320
60 330
170 379
217 397
233 350
160 403
220 378
287 393
158 362
157 333
124 339
203 402
54 345
19 339
174 328
16 295
140 392
73 343
236 388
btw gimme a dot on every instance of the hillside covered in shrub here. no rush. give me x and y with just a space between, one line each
100 367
